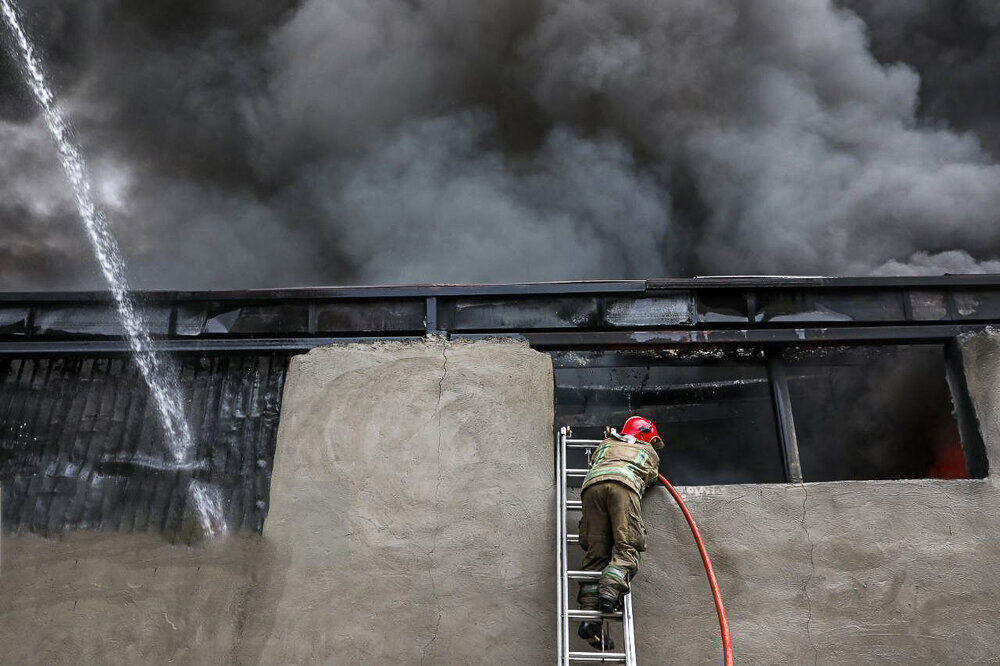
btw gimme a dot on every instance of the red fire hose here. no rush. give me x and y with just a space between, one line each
727 646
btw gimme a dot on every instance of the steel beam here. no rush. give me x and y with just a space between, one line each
623 314
667 339
194 345
785 419
976 462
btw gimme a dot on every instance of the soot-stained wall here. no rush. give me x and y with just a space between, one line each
81 445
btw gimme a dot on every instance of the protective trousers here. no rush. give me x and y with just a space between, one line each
613 534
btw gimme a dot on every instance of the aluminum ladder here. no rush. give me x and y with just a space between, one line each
566 576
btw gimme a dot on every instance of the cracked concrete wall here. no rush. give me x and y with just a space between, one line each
851 572
413 494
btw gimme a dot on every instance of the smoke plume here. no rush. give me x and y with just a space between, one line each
255 143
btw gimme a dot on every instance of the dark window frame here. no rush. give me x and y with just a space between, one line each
977 463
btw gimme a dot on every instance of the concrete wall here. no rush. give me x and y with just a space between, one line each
105 598
411 522
413 494
854 572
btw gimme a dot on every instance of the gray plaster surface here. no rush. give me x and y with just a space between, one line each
412 494
827 573
106 598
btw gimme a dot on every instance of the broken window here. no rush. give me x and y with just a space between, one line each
859 412
713 409
874 412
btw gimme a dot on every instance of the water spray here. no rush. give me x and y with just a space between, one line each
154 371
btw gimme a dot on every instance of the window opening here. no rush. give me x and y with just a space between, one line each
874 412
713 409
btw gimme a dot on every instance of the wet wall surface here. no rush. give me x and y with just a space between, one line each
81 446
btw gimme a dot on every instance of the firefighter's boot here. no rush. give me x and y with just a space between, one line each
593 633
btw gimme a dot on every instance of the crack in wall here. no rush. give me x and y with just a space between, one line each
382 528
437 512
812 574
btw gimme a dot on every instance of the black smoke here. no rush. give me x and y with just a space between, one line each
262 143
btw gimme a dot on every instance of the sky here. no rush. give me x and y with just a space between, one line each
269 143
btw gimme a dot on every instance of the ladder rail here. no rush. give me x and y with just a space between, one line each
560 546
562 538
565 575
628 629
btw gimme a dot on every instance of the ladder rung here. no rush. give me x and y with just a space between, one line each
584 441
574 505
576 473
583 575
577 614
599 657
581 446
572 538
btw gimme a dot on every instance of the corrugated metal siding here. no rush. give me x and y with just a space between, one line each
81 445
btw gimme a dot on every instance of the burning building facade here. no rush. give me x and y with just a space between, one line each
833 436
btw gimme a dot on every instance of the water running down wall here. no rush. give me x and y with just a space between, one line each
155 368
81 446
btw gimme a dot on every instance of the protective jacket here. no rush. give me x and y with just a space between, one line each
626 460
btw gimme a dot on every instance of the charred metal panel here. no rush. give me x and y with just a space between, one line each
14 321
928 305
568 312
977 304
814 306
467 314
87 320
619 394
230 319
654 311
190 319
81 446
277 319
367 316
664 339
722 306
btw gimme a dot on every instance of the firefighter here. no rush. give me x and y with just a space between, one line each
612 531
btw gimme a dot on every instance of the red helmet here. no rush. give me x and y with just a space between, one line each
641 428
